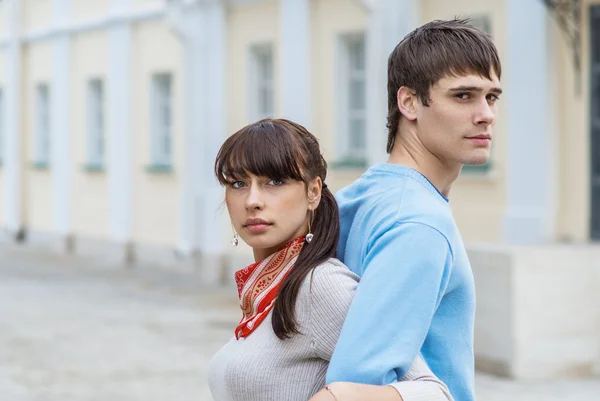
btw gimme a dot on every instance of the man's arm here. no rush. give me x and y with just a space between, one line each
406 271
419 384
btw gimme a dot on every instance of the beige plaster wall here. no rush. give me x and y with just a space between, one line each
38 182
90 189
156 196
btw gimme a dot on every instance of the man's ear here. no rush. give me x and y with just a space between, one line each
407 100
315 188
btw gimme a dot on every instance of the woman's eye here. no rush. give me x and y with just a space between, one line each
238 184
275 183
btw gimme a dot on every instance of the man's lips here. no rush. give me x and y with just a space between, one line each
483 140
483 136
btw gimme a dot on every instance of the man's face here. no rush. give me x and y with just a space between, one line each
457 126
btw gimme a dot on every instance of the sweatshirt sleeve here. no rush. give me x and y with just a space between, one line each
420 384
406 271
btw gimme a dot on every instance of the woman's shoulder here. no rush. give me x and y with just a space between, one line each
334 266
325 299
329 277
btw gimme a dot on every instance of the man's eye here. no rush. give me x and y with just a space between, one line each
238 184
492 98
462 96
275 183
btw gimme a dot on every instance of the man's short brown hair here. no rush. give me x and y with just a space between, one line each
432 52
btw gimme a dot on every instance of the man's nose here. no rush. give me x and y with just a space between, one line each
485 114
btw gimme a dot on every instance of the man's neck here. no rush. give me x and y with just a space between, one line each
440 174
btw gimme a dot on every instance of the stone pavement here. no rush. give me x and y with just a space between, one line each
76 330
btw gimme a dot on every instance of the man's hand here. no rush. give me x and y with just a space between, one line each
323 395
345 391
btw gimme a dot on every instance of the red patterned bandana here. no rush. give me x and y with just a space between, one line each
259 283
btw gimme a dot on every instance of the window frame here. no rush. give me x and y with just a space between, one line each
161 132
346 154
96 124
42 141
260 81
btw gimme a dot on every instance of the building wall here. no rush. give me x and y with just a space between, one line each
326 30
155 195
249 24
3 19
37 59
85 10
37 14
476 197
90 214
145 4
574 193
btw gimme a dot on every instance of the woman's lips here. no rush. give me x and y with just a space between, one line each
257 228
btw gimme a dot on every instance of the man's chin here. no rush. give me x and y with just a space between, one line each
477 160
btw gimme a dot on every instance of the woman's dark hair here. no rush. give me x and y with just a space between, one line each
283 150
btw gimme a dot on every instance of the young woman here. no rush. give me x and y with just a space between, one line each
295 297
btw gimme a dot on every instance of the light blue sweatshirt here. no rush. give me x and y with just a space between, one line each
416 292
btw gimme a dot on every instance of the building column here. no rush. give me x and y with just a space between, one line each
389 22
60 134
531 172
212 241
13 145
202 29
295 59
120 151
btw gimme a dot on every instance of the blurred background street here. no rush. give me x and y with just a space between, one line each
74 330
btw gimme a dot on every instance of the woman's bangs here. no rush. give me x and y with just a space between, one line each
260 152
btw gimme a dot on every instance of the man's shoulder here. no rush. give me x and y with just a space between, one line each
429 213
412 203
413 217
374 205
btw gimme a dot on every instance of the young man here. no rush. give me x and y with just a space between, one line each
416 293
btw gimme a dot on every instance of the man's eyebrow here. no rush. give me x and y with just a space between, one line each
473 89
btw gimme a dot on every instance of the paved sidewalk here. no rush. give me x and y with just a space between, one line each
74 330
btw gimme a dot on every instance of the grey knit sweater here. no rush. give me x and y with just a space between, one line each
261 367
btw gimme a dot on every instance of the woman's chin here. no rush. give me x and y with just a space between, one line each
260 242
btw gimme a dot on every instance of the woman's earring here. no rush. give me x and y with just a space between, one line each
309 236
235 240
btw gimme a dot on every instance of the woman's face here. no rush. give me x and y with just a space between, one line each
268 213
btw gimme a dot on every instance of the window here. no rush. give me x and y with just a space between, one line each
161 120
42 125
262 89
352 106
481 22
95 124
